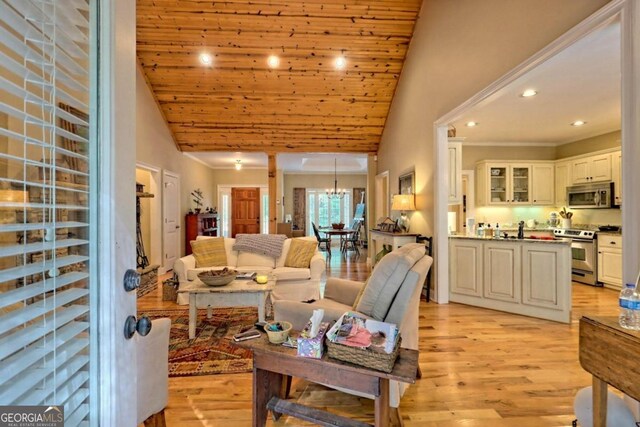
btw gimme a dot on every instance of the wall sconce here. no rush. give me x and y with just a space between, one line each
402 203
238 165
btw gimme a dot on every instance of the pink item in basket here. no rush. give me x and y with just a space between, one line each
359 336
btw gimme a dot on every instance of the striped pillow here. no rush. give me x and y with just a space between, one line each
209 252
300 253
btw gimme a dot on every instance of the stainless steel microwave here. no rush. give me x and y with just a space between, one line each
591 196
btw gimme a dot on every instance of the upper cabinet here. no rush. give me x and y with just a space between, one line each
562 181
455 171
513 183
590 169
542 183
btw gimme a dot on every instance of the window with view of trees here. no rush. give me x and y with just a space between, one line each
324 210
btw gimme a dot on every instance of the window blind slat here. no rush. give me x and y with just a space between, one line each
76 400
65 373
23 249
40 226
15 318
75 420
32 377
14 342
66 186
30 269
23 361
38 288
40 206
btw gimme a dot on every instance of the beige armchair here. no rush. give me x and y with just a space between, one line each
392 295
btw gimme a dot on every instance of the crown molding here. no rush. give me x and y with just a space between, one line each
509 144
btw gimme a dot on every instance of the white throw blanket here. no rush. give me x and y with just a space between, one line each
263 244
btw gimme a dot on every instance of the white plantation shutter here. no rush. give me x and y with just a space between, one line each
45 152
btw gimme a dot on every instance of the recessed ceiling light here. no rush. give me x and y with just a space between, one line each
340 62
578 123
471 124
206 59
529 93
238 165
273 61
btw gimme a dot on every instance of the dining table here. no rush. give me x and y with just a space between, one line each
342 232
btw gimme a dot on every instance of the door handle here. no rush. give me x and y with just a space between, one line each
133 325
177 226
131 280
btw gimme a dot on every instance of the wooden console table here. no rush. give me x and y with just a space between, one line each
273 365
395 240
609 353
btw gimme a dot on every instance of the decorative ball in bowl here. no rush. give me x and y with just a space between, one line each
217 277
278 331
339 226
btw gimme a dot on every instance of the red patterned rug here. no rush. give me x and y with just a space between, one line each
212 350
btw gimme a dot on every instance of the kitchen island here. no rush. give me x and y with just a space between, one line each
531 277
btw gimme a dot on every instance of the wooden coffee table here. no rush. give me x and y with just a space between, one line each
274 365
239 293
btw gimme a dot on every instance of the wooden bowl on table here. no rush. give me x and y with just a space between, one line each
339 226
217 277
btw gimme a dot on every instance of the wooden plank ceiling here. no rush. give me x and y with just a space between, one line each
239 103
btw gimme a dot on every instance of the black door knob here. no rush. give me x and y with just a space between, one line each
132 325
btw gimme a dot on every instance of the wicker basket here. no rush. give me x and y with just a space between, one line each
370 359
169 290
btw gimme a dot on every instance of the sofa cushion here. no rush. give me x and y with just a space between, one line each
192 274
386 279
285 251
300 253
290 273
209 252
251 259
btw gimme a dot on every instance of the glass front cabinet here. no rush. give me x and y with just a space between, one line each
503 184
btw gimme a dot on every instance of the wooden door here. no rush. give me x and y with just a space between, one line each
466 273
601 168
171 222
542 183
245 211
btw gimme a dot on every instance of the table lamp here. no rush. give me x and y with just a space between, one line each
402 203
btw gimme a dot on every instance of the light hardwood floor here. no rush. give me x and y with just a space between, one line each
480 368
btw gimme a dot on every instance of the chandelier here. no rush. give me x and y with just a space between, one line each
335 193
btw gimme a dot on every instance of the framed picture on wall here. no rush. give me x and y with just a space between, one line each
406 183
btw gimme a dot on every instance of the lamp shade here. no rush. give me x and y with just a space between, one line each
403 202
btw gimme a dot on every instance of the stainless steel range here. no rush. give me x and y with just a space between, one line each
584 254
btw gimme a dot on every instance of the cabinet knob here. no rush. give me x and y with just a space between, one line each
613 243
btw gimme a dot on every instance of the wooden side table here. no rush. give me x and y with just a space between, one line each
610 354
273 365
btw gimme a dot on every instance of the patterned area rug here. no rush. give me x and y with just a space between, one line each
212 350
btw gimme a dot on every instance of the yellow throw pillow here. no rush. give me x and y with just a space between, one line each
300 253
209 252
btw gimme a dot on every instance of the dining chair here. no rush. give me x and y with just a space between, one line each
351 241
321 240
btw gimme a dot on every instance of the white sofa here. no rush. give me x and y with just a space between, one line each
295 284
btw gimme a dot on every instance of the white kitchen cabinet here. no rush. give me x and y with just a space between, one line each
610 260
590 169
467 278
542 183
544 268
562 181
455 171
503 184
502 271
616 176
521 276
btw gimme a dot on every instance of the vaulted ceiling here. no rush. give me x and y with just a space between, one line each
240 103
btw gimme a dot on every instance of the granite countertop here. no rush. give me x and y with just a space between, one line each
492 239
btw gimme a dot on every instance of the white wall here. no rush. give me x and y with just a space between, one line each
155 147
